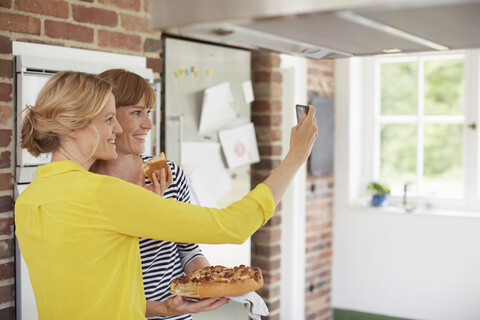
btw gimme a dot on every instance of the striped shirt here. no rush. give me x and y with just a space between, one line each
163 261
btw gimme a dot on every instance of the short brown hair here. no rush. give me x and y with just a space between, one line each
129 87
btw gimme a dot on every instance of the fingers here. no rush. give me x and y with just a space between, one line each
163 177
175 306
177 301
160 184
309 115
166 178
180 306
303 135
209 304
157 186
164 182
311 119
217 304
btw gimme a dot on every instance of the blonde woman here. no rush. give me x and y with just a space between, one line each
162 261
76 229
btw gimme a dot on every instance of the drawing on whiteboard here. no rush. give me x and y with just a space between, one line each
239 145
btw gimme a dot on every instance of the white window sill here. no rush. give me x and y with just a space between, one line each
392 209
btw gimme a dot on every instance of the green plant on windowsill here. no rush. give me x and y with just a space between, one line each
380 191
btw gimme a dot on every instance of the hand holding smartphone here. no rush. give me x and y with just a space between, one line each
300 110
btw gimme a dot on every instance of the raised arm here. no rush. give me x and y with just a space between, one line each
169 220
301 142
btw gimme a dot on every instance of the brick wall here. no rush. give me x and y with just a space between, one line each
119 26
319 212
266 115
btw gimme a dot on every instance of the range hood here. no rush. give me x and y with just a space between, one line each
326 29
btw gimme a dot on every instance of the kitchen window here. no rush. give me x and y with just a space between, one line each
419 124
419 129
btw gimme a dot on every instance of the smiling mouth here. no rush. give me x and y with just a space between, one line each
111 141
140 136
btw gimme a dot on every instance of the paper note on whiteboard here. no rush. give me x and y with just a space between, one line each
248 91
217 110
207 176
239 145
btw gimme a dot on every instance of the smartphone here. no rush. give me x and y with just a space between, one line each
301 109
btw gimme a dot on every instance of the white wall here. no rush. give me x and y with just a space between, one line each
406 265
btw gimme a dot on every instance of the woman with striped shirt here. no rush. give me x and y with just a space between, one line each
162 261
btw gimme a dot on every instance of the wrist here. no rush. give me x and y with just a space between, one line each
158 308
168 308
294 159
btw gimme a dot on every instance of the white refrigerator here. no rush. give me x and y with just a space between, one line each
29 85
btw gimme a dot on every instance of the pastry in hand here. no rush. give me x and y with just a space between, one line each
155 165
218 281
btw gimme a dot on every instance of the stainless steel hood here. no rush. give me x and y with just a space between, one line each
324 29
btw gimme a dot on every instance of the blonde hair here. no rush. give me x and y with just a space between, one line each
68 101
129 87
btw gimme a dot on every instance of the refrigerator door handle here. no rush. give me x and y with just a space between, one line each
179 118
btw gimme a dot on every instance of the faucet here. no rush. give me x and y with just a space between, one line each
405 187
408 208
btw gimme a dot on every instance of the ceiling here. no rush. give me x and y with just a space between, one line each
324 29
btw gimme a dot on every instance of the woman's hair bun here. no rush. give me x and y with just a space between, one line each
68 101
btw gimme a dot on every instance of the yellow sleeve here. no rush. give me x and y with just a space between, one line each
138 212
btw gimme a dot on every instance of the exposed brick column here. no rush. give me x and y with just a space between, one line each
266 115
319 213
7 249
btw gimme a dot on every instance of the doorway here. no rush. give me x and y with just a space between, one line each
294 91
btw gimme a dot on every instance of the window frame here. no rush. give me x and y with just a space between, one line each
372 123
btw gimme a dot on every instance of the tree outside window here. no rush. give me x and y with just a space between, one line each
420 121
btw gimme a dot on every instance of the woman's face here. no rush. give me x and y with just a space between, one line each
106 126
136 123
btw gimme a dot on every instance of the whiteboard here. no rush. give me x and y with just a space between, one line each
190 68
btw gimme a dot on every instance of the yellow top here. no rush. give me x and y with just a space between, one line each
78 233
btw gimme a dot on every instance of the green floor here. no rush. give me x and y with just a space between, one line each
341 314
